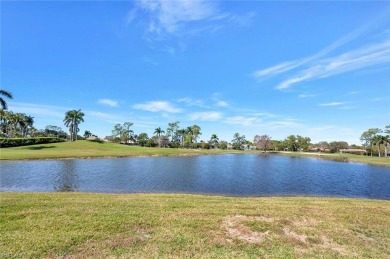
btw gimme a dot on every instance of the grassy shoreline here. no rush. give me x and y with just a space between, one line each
88 149
80 225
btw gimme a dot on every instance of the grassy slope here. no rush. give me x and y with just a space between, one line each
149 225
85 149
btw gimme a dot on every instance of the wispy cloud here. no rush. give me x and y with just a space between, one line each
192 102
157 106
206 116
243 121
306 95
363 57
164 19
320 66
172 17
217 100
108 102
38 109
332 104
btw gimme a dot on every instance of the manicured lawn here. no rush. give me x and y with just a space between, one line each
89 149
75 225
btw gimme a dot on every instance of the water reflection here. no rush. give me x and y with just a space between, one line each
235 175
66 179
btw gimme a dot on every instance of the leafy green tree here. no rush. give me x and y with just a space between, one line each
214 140
303 143
291 142
72 119
222 144
117 132
127 133
3 103
238 141
337 145
142 139
368 138
172 130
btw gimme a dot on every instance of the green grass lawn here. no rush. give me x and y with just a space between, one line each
90 149
76 225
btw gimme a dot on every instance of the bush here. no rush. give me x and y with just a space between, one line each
16 142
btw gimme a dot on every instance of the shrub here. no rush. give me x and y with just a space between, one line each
16 142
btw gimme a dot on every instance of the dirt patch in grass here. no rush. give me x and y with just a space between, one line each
257 229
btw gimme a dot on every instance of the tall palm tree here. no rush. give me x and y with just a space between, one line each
2 102
158 131
386 140
181 134
196 133
378 140
72 119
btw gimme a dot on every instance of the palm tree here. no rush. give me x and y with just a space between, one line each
181 134
196 133
158 131
386 140
72 119
378 140
2 102
214 140
87 134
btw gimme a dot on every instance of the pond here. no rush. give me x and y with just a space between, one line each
231 175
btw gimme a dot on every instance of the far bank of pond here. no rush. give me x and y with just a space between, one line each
91 149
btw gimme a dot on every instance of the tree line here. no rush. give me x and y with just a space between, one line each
375 141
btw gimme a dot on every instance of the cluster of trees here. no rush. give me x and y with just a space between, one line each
21 125
14 125
174 137
375 142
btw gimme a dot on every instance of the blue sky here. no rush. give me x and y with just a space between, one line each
314 68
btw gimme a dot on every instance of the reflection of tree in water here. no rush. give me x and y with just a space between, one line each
67 179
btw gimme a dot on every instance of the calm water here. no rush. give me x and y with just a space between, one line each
233 175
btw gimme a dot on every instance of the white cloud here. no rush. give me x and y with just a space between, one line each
217 100
38 109
221 103
243 121
306 95
182 18
172 16
319 66
366 56
157 106
192 102
206 116
332 104
108 102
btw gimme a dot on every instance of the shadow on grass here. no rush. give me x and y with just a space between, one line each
40 147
